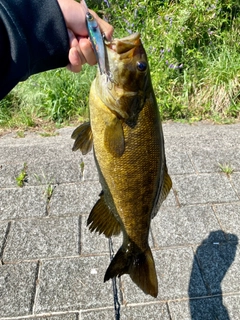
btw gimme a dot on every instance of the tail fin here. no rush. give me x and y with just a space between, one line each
139 265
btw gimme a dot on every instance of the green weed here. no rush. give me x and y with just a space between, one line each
50 187
49 191
20 134
48 134
21 179
82 164
226 168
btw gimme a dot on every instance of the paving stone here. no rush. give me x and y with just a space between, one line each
95 243
208 160
235 178
72 284
54 172
65 316
232 304
34 239
35 153
23 202
92 242
33 138
3 230
66 286
151 311
8 174
74 198
219 262
108 314
200 309
177 277
170 201
17 283
178 161
201 135
90 170
35 147
47 172
204 188
229 219
183 226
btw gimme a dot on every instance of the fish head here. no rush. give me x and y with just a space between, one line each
128 82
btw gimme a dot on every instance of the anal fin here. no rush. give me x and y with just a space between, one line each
164 191
83 138
166 187
102 220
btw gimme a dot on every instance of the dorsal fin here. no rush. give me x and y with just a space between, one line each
83 138
102 220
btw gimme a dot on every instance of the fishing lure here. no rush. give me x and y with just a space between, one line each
97 40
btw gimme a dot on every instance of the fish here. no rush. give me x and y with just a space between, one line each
126 134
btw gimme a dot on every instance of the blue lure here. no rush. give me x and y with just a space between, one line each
97 41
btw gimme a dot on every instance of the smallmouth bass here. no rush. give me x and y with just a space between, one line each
126 132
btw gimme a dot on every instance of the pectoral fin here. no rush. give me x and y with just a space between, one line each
102 220
83 138
114 138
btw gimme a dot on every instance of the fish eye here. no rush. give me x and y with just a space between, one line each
89 16
142 65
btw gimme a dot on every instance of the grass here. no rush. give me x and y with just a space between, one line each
82 167
48 134
21 179
48 100
194 55
49 191
20 134
226 168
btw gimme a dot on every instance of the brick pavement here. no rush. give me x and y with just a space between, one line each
52 267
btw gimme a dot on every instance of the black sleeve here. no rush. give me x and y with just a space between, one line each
33 38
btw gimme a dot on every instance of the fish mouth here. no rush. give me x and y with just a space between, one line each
118 56
121 49
125 44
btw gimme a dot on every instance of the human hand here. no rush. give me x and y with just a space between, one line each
81 50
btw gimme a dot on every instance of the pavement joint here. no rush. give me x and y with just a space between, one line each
4 243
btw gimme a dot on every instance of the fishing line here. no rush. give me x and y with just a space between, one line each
117 305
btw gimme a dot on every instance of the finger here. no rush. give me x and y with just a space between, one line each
75 16
73 55
75 64
73 42
86 52
105 27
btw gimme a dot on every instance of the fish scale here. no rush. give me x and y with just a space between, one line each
131 182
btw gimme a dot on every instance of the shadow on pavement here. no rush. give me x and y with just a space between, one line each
214 257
